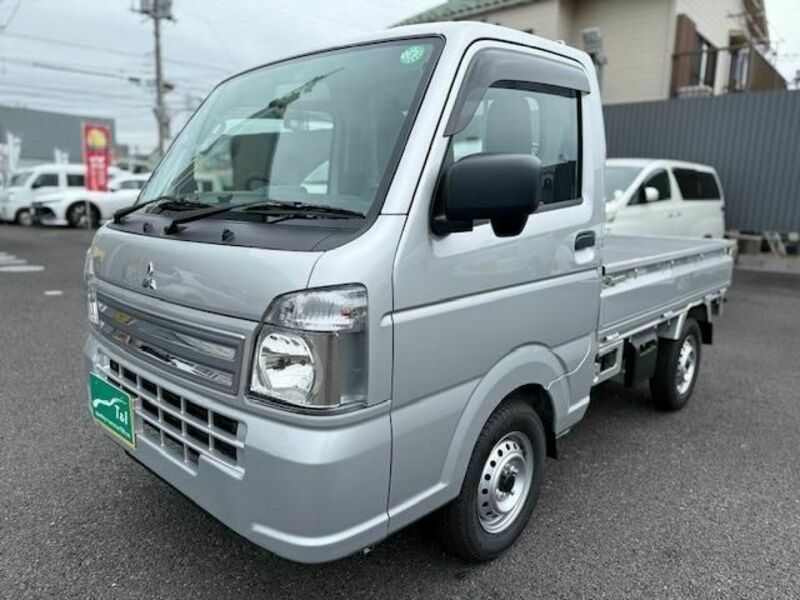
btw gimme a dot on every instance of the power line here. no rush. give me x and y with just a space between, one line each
94 48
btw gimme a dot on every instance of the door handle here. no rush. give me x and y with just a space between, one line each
585 239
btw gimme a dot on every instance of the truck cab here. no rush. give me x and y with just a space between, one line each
366 284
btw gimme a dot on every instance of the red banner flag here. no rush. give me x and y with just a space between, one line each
97 156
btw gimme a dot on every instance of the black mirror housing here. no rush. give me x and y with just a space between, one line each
502 188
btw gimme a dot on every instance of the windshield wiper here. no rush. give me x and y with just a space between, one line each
299 209
170 203
201 214
304 209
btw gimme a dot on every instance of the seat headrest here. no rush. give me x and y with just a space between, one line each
508 126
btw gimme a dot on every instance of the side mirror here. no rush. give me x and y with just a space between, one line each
501 188
650 194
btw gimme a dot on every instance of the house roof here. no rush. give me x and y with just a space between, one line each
458 9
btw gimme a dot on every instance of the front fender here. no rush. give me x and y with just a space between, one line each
532 364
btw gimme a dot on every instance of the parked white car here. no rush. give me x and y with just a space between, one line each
27 185
663 197
69 207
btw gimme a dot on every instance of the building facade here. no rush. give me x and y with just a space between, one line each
651 49
43 134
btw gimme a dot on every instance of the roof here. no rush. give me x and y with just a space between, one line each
459 9
665 162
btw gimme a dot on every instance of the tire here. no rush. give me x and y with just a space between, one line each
677 367
76 215
23 217
480 530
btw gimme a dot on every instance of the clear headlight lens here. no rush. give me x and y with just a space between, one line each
312 349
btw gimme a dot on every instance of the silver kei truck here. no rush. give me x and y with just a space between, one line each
372 282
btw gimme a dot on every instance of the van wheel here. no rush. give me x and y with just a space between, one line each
24 217
677 367
76 215
501 486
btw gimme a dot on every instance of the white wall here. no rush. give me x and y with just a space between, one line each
637 45
542 17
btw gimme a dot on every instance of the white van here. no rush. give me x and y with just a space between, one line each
68 207
28 185
663 197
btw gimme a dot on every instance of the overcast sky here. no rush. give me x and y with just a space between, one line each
77 55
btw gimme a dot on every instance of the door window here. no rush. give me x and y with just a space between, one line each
45 180
518 117
75 180
658 180
131 184
697 185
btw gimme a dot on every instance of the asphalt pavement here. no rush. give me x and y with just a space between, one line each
704 503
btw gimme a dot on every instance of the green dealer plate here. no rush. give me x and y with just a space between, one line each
112 408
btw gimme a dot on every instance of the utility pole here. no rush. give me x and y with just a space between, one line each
158 10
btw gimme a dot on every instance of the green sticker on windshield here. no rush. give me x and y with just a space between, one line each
412 54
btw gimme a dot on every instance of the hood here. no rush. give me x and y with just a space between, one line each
229 280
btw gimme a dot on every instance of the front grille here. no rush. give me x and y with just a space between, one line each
181 428
211 358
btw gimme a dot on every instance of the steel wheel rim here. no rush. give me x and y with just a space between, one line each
505 482
687 365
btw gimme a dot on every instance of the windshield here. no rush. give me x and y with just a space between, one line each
18 179
618 179
323 130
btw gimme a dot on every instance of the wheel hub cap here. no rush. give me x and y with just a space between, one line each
505 482
687 364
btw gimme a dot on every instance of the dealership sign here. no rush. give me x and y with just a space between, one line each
97 156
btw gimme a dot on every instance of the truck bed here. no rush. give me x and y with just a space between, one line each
649 279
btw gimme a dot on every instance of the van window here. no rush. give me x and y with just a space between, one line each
18 179
130 184
617 180
658 180
524 118
46 180
697 185
75 180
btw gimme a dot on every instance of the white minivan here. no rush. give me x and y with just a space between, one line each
663 197
29 185
68 207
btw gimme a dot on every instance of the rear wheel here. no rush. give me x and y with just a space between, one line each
76 215
677 367
501 486
24 217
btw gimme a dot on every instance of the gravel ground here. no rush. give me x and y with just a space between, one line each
704 503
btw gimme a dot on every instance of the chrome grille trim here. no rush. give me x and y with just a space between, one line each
211 357
175 430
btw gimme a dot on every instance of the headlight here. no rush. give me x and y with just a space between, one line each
92 308
312 349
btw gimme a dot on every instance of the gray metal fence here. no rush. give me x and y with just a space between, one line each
752 139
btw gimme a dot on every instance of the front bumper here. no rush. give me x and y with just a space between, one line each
49 214
7 212
309 489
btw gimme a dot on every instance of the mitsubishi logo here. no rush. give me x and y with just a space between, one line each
149 282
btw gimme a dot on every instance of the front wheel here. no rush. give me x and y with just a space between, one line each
24 217
677 367
501 486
